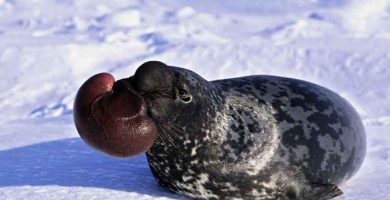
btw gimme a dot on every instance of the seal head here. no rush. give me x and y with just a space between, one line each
168 93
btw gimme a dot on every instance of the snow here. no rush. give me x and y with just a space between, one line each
49 48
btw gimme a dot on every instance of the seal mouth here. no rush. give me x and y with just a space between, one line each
112 117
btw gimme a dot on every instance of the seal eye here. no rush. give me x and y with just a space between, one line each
185 96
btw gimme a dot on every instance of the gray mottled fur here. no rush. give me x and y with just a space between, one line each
257 138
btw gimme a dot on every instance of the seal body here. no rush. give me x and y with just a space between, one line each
256 137
249 138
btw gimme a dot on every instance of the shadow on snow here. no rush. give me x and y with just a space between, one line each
70 162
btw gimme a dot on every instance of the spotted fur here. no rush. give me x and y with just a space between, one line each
257 138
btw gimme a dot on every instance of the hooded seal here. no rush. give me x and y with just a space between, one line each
255 137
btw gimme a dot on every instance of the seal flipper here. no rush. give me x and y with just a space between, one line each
322 192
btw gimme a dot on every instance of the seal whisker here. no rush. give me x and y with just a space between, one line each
167 135
170 130
161 135
170 138
177 128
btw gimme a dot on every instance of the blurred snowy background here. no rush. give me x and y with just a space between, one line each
48 48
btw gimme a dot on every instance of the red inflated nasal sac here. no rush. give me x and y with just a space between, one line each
113 121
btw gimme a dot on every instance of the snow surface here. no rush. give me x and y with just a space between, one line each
48 48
